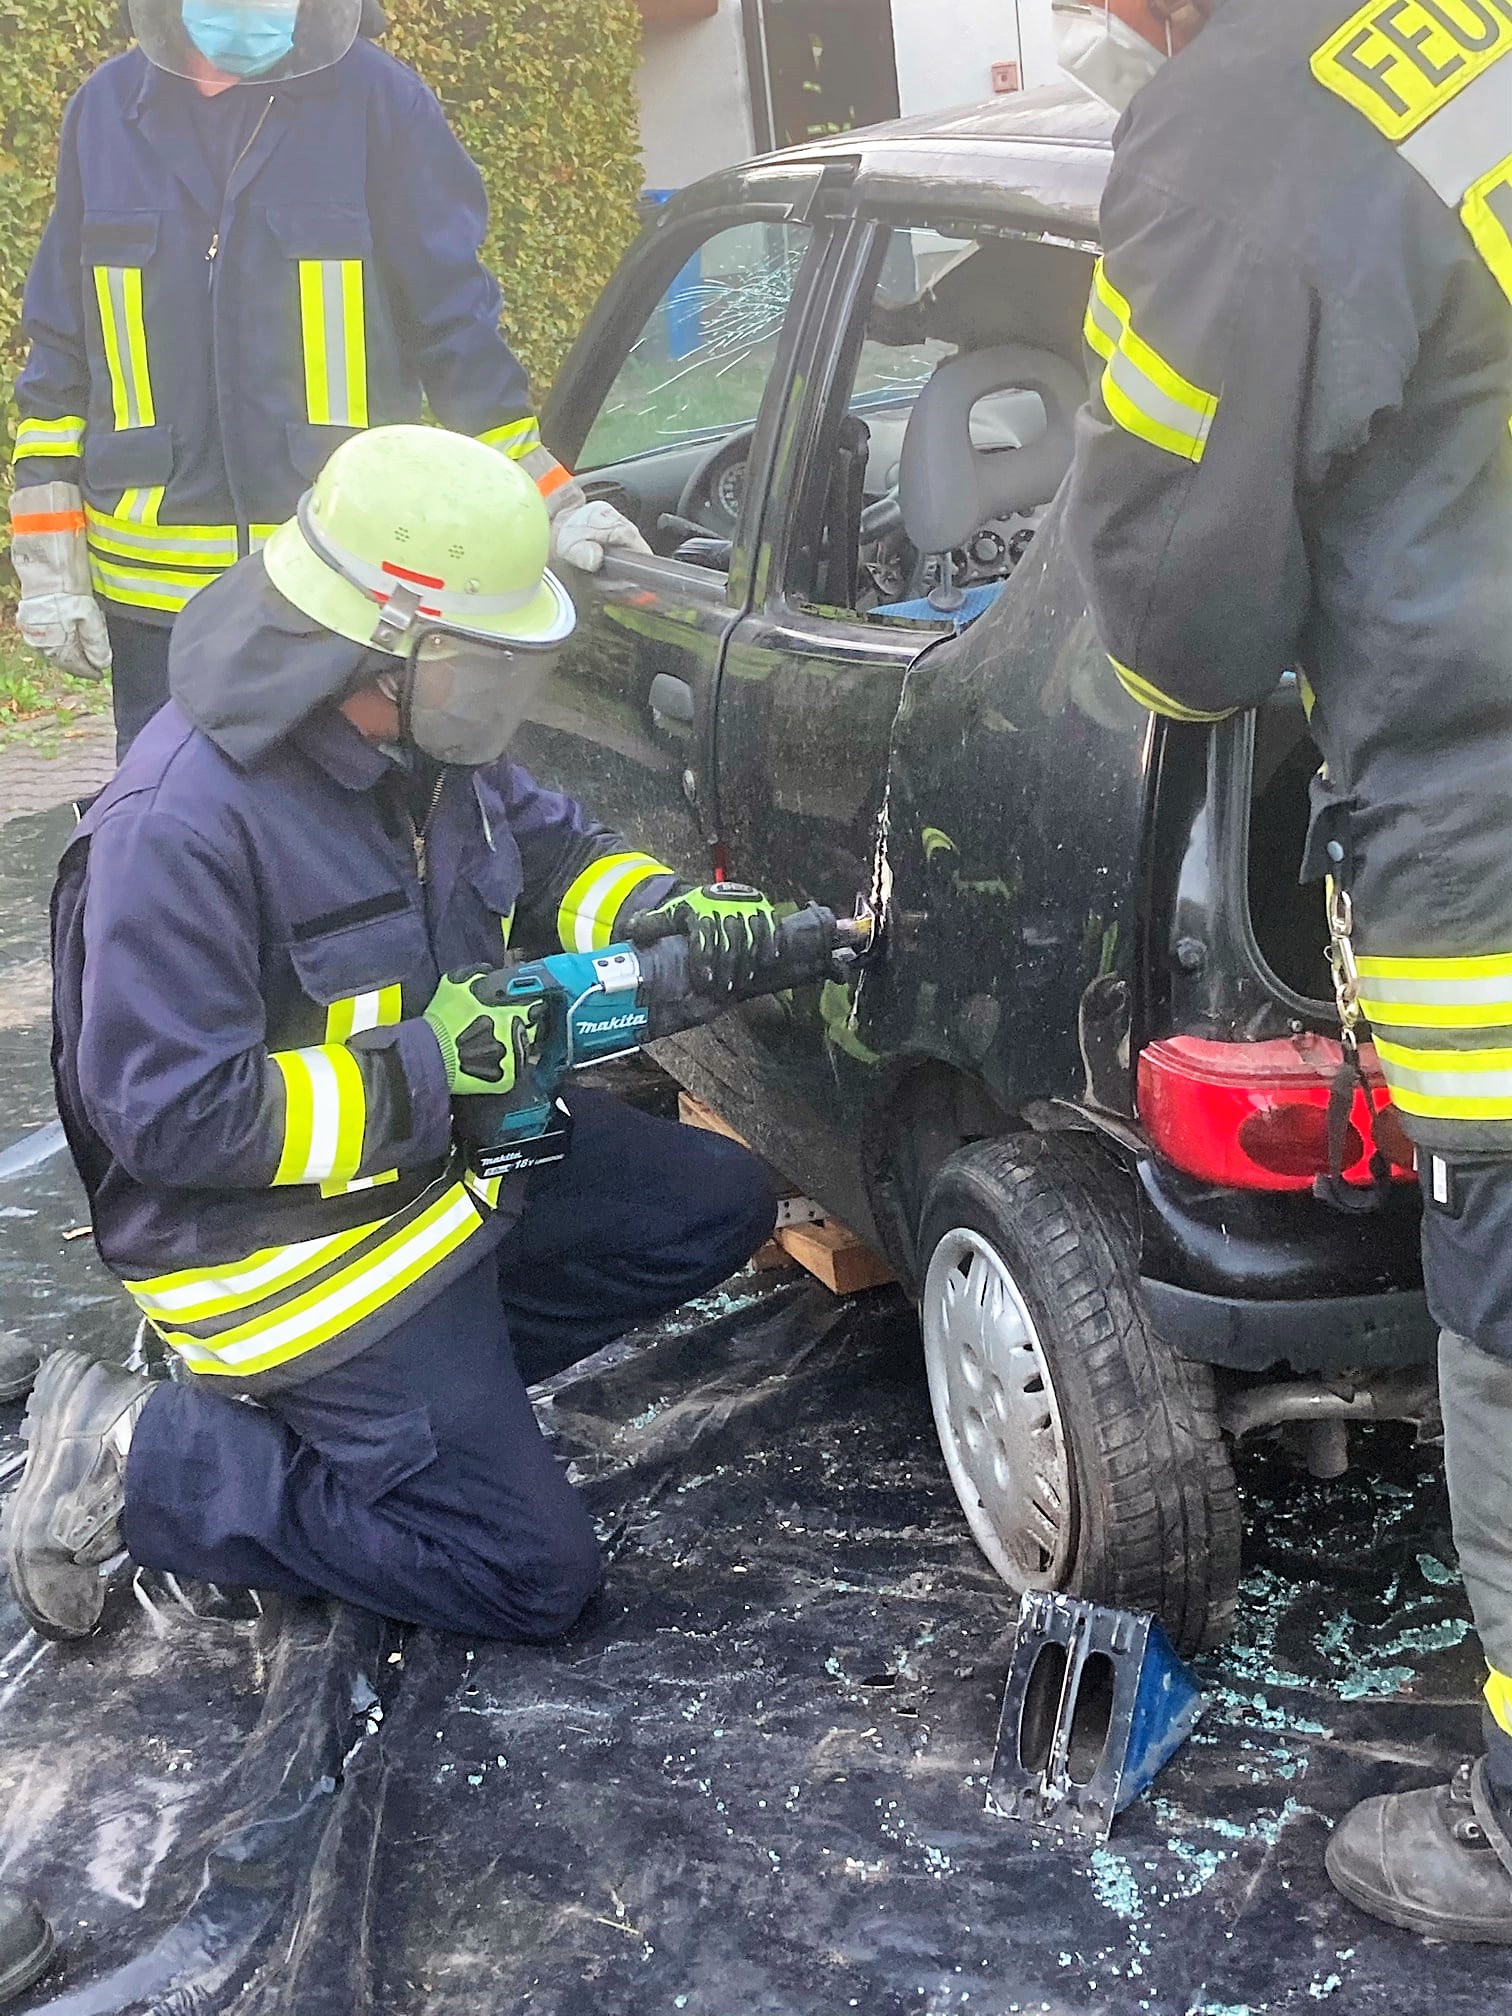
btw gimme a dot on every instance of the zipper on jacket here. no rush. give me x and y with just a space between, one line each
422 835
211 258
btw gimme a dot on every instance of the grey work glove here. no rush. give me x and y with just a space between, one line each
58 614
582 536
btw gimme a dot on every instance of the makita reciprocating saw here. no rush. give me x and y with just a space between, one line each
597 1005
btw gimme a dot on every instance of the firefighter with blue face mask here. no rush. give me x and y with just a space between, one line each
265 238
272 934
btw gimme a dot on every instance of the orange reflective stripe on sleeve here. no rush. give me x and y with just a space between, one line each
47 521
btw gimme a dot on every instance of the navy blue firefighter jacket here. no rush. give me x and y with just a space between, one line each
243 950
197 350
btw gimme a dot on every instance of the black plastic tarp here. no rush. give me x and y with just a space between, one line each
753 1779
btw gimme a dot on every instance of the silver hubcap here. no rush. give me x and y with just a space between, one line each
996 1412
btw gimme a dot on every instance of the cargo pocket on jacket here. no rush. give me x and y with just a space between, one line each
117 247
357 971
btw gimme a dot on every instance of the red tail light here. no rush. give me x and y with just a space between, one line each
1254 1116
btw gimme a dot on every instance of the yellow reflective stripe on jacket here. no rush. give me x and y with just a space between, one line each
196 1294
1430 76
515 439
486 1187
411 1244
118 290
38 439
325 1114
170 589
143 539
378 1008
1401 61
1448 1084
1158 703
1487 211
585 922
1145 395
1437 993
334 319
1499 1698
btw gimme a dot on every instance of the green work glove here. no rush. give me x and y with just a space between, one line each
484 1042
731 933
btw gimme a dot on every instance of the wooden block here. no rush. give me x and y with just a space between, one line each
836 1257
771 1256
693 1113
828 1251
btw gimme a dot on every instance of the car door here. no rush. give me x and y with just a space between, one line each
679 376
810 692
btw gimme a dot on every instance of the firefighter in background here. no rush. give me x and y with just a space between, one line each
266 934
1297 455
265 237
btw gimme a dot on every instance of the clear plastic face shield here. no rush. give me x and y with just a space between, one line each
244 39
1110 47
461 692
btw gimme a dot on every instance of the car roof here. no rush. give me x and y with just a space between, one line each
1060 112
1031 160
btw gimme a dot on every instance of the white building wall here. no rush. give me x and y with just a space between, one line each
695 111
947 48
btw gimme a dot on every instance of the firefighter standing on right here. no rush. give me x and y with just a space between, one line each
1297 454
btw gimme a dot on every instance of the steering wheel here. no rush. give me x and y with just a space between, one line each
712 495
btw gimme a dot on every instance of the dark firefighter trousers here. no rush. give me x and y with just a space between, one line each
413 1479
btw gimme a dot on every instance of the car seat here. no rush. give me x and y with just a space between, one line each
948 487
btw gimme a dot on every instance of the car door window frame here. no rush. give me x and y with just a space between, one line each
801 194
784 566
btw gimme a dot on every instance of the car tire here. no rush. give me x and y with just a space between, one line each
1085 1451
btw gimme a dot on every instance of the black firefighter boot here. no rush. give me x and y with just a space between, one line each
19 1359
65 1519
26 1944
1437 1862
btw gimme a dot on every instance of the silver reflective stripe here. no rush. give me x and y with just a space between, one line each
1194 423
1495 988
1466 138
1449 1084
338 391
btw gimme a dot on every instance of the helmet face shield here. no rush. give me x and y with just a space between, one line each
464 689
461 699
247 39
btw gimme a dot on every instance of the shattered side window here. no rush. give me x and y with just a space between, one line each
699 367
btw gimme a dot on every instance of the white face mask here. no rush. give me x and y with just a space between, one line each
1103 53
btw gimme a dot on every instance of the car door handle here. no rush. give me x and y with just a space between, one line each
671 700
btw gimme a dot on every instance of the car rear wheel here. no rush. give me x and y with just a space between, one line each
1086 1453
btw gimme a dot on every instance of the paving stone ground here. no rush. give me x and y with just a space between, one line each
33 780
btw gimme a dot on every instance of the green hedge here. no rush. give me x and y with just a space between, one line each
539 91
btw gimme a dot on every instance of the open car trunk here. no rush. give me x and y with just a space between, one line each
1287 918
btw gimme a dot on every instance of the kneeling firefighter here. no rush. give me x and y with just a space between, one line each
265 236
257 1056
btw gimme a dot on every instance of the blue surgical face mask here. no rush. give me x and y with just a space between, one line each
241 41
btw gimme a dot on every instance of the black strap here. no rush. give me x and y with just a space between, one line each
1348 1079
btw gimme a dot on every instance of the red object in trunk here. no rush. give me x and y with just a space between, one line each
1254 1116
